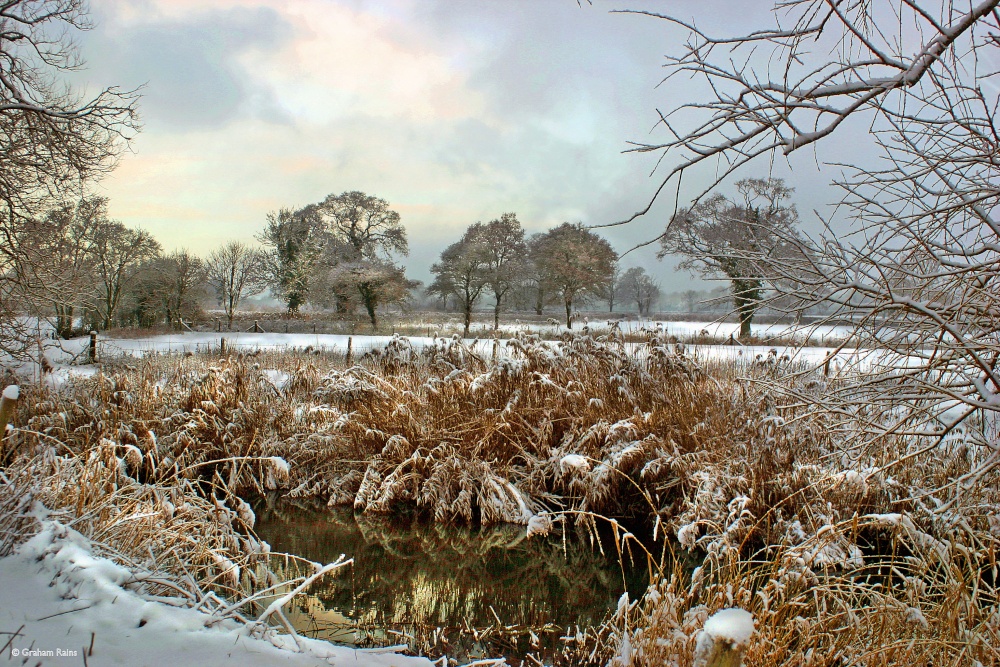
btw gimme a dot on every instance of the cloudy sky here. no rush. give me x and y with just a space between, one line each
453 111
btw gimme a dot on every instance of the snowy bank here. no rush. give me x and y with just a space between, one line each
60 600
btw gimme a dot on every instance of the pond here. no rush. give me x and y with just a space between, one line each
466 593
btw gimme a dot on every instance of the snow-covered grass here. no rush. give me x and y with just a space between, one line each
833 552
106 570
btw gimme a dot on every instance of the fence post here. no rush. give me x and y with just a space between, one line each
93 347
286 327
222 347
347 357
8 401
496 348
256 327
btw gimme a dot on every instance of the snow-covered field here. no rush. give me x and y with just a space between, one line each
823 333
68 358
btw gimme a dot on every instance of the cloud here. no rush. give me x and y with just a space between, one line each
190 65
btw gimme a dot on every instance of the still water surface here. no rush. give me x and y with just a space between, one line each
449 590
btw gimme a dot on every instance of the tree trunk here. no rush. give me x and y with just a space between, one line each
745 309
569 314
496 314
468 318
746 298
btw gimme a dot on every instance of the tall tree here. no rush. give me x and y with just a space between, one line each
639 287
614 286
178 281
294 243
365 224
235 270
502 239
463 271
59 249
575 263
736 239
118 253
53 142
364 235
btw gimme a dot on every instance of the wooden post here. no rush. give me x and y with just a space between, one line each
496 348
8 401
314 327
286 327
256 327
347 357
93 347
222 347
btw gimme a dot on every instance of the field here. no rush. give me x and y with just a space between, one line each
153 459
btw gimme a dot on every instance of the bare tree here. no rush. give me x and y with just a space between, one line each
575 263
178 283
690 297
54 141
917 274
362 236
365 224
59 250
614 288
503 241
463 271
639 287
737 239
235 270
118 253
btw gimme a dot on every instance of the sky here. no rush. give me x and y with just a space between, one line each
454 112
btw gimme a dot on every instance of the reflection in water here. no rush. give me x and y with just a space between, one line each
438 587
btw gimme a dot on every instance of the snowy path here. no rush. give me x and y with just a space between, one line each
64 601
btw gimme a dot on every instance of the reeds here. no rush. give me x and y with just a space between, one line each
838 557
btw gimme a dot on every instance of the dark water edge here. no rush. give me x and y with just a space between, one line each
463 592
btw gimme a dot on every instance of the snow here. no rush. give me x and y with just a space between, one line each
734 626
11 392
63 600
539 524
277 378
687 535
916 617
574 461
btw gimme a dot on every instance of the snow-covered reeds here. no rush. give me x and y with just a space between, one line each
841 558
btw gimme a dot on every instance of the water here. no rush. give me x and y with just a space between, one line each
444 590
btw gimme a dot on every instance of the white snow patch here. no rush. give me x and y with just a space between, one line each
539 524
277 378
916 617
11 392
61 596
734 626
574 461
